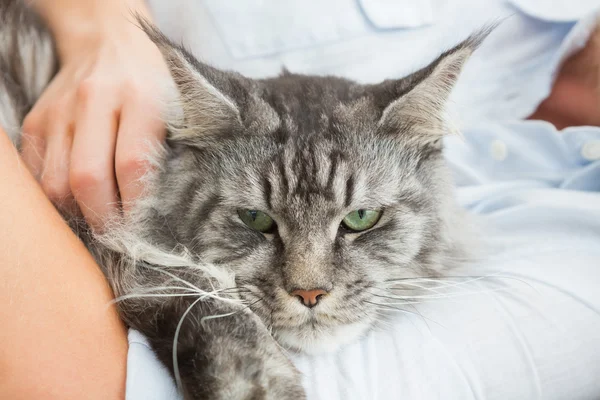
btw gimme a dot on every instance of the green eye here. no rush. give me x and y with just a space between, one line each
361 220
257 220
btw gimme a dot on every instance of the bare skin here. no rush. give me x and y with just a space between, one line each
89 131
60 338
575 97
88 134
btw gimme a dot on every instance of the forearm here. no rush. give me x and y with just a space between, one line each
59 337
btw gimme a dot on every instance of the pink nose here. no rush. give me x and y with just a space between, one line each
309 298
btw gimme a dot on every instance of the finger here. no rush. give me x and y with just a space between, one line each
140 132
55 174
51 108
33 145
92 176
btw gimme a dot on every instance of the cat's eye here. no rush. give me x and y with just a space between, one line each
257 220
361 220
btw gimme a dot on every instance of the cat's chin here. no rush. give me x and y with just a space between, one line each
311 340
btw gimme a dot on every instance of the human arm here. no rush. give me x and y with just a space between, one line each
59 337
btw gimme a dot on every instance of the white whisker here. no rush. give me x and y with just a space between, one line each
160 288
135 296
177 278
211 294
446 295
209 317
449 282
387 308
175 341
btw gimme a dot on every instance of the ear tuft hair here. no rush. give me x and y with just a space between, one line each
417 105
203 107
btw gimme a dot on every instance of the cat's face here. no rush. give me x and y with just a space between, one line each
318 194
286 216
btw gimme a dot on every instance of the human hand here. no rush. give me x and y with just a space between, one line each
87 136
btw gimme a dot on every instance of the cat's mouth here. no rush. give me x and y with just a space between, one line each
322 328
319 330
315 338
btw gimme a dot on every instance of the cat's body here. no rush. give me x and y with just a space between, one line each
303 153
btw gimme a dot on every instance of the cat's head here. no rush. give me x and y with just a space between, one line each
318 193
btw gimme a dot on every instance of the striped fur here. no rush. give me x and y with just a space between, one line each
306 150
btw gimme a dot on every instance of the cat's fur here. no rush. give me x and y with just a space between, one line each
307 150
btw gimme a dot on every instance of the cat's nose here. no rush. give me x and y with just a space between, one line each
309 298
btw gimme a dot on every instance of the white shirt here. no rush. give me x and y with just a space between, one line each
530 328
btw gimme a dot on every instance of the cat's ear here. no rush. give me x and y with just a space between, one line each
204 106
415 106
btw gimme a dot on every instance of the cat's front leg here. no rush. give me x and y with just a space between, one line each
216 349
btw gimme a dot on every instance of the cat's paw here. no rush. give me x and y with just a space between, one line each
279 378
236 359
273 378
242 373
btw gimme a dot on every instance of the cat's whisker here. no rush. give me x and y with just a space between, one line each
383 319
235 288
422 316
202 320
255 302
382 324
234 291
394 298
231 313
437 277
175 342
384 308
412 286
513 278
177 278
407 286
209 317
447 295
442 285
164 288
212 294
151 292
283 349
141 295
449 280
387 308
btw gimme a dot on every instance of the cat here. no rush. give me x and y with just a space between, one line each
282 212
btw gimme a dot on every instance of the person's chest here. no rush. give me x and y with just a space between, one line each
371 40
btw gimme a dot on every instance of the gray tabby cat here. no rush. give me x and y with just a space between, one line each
282 210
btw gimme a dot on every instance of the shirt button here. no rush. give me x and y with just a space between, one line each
591 150
498 150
